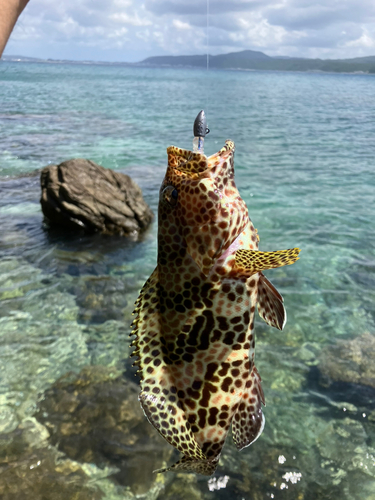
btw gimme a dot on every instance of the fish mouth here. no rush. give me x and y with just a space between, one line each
193 164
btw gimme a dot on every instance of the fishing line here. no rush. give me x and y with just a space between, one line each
207 44
200 124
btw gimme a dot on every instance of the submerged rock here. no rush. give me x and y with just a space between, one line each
79 194
350 361
30 469
96 417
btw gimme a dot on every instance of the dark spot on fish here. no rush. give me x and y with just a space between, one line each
190 403
208 303
241 338
188 358
207 390
210 371
226 384
171 409
178 299
223 323
196 329
197 384
224 369
192 418
216 335
202 417
212 416
229 338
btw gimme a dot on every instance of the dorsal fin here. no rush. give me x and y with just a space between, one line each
270 303
248 421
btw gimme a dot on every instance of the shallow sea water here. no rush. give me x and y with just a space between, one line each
70 424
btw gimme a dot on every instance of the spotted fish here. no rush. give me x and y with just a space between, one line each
195 314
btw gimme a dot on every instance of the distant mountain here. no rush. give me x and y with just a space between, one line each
231 60
253 60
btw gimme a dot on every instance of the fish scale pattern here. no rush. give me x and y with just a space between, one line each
194 322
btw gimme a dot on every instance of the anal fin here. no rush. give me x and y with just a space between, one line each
270 304
252 261
248 420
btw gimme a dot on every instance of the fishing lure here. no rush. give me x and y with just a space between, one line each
200 131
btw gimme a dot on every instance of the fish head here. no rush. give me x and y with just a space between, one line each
200 207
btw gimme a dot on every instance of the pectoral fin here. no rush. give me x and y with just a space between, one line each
252 261
270 304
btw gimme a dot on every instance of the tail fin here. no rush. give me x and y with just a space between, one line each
248 421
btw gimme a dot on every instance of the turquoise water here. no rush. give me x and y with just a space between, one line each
304 165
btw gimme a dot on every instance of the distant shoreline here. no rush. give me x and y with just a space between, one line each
247 60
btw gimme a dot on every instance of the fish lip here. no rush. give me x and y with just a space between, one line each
188 155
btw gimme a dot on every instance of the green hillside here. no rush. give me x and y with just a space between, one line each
249 59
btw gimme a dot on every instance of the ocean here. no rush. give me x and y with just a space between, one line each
304 164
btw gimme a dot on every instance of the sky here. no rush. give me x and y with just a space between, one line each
132 30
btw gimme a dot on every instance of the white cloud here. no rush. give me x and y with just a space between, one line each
180 25
123 18
131 30
365 41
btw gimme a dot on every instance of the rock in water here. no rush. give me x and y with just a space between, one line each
79 194
349 361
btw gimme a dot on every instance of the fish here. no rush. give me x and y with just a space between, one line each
194 317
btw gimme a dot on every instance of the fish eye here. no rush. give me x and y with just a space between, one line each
170 195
